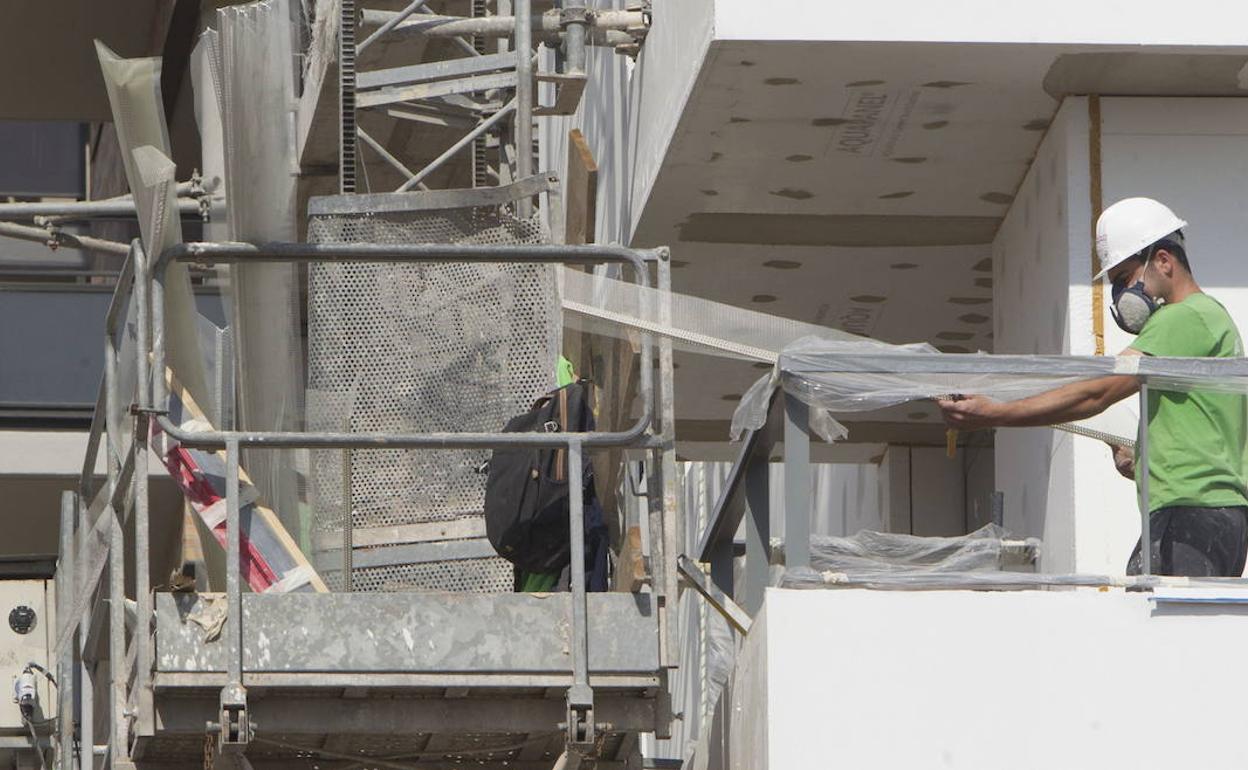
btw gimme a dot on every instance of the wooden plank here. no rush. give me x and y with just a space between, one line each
368 537
580 190
630 570
193 471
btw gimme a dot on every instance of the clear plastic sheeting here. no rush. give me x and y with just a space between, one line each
834 376
138 113
600 305
867 552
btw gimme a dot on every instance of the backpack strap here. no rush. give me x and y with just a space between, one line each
563 426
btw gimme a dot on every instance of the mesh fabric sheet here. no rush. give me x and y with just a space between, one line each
423 348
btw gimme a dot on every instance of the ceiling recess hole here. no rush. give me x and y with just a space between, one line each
869 299
781 81
746 63
911 159
864 83
897 195
969 300
799 158
935 124
709 193
1039 124
825 122
983 266
945 84
763 298
952 349
738 119
974 318
983 283
730 397
997 197
903 266
782 264
716 156
679 263
794 194
761 365
954 335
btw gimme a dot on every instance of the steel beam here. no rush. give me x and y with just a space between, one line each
435 71
523 131
295 716
463 142
76 210
797 483
553 684
732 612
418 91
64 616
55 239
612 27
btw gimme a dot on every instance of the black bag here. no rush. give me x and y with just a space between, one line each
526 490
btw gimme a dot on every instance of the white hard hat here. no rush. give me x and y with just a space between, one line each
1130 226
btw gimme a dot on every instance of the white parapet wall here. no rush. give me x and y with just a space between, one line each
989 680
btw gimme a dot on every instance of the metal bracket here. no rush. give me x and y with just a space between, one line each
575 15
581 732
569 87
235 730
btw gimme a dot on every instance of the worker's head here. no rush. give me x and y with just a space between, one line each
1141 247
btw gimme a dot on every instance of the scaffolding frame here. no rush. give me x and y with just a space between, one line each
441 91
94 521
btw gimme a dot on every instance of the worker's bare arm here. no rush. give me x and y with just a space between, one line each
1068 403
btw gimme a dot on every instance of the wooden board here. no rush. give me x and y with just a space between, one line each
271 561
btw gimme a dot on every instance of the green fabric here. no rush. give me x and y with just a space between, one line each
543 582
564 373
1195 440
538 582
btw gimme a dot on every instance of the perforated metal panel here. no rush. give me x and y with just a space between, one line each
491 575
423 348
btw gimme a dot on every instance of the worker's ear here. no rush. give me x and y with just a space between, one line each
1165 262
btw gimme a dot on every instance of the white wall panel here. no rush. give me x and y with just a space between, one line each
1043 242
896 679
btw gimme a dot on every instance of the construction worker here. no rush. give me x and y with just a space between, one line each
1198 509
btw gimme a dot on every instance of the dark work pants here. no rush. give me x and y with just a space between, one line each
1196 542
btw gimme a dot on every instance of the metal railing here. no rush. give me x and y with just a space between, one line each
746 494
94 533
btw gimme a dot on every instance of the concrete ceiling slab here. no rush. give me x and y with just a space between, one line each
849 166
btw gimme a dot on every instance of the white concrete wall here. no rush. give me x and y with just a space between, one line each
1040 252
1201 22
893 680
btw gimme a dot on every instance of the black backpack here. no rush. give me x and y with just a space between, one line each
526 489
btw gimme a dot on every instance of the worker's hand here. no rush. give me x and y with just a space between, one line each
970 412
1124 461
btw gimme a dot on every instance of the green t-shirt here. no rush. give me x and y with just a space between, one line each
1195 440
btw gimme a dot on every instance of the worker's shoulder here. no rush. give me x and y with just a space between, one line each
1201 312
